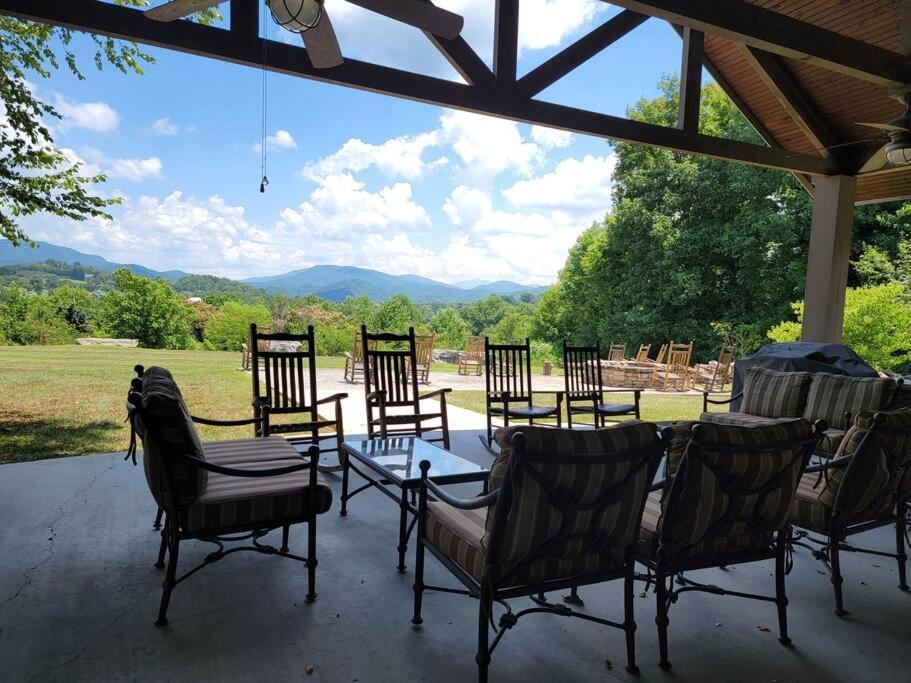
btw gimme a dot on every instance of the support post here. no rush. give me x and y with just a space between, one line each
691 80
828 258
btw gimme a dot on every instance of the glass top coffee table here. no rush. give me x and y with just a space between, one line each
391 466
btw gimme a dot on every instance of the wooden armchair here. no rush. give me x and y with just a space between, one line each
642 353
509 393
391 382
563 511
585 389
354 360
726 503
865 486
286 381
220 492
472 358
675 374
424 353
713 376
616 352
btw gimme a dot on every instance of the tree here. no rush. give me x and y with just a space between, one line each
147 310
396 315
35 175
484 313
230 327
451 329
75 305
515 326
877 325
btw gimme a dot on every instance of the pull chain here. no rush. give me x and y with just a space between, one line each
263 160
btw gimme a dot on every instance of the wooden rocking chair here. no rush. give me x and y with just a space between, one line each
354 360
472 358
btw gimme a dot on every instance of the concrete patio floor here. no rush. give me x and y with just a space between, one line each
78 595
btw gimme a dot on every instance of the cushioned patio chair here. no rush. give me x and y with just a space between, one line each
509 394
865 486
585 389
563 511
221 491
725 501
391 385
283 367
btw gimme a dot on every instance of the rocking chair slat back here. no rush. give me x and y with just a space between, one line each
285 376
642 353
582 370
508 370
390 366
616 352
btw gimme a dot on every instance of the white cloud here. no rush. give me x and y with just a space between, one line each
165 126
546 23
551 138
99 117
135 170
401 156
281 140
575 185
488 146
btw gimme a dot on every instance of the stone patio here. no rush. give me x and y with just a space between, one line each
78 595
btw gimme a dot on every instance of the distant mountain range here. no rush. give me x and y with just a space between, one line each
330 282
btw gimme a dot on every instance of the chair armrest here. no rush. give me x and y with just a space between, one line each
376 396
228 423
234 472
724 401
331 399
473 503
829 464
435 393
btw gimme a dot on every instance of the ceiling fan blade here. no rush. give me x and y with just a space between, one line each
888 127
875 162
322 44
178 9
423 15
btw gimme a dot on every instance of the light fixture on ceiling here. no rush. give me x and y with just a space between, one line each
296 15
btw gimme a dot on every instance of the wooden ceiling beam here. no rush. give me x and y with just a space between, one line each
235 46
691 80
463 59
579 52
506 43
744 22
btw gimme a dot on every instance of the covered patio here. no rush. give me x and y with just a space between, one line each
79 595
78 590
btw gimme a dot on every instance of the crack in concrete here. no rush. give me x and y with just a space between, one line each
61 511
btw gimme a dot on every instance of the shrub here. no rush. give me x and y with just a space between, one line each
230 326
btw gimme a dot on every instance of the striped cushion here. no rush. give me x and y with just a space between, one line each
832 395
458 533
543 528
738 419
167 430
831 441
681 437
769 393
726 500
231 502
651 520
806 509
231 453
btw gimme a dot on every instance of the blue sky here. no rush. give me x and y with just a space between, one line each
355 178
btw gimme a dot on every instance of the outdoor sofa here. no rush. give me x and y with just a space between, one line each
772 396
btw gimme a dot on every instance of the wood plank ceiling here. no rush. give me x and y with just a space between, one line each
841 101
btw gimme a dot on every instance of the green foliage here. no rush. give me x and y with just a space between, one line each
450 327
877 325
396 315
230 327
874 267
485 313
27 318
515 326
37 176
147 310
76 306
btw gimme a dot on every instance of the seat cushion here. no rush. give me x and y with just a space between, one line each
616 408
770 393
167 431
651 519
532 412
231 502
739 419
807 510
230 453
831 440
458 533
831 396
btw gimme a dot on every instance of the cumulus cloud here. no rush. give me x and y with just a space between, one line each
488 146
551 138
280 140
98 117
576 185
135 170
165 126
402 156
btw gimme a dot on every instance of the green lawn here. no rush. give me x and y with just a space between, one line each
654 407
58 401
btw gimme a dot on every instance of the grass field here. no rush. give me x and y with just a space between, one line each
58 401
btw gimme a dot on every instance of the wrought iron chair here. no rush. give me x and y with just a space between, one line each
222 491
563 512
509 392
472 357
354 360
865 486
284 377
726 503
391 382
585 390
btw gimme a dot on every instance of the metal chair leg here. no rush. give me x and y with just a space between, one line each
285 530
158 515
162 549
485 604
837 579
629 620
781 598
661 620
418 582
901 555
169 581
311 559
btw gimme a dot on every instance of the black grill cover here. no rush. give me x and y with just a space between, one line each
801 356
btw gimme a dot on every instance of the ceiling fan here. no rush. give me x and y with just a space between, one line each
310 19
897 151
